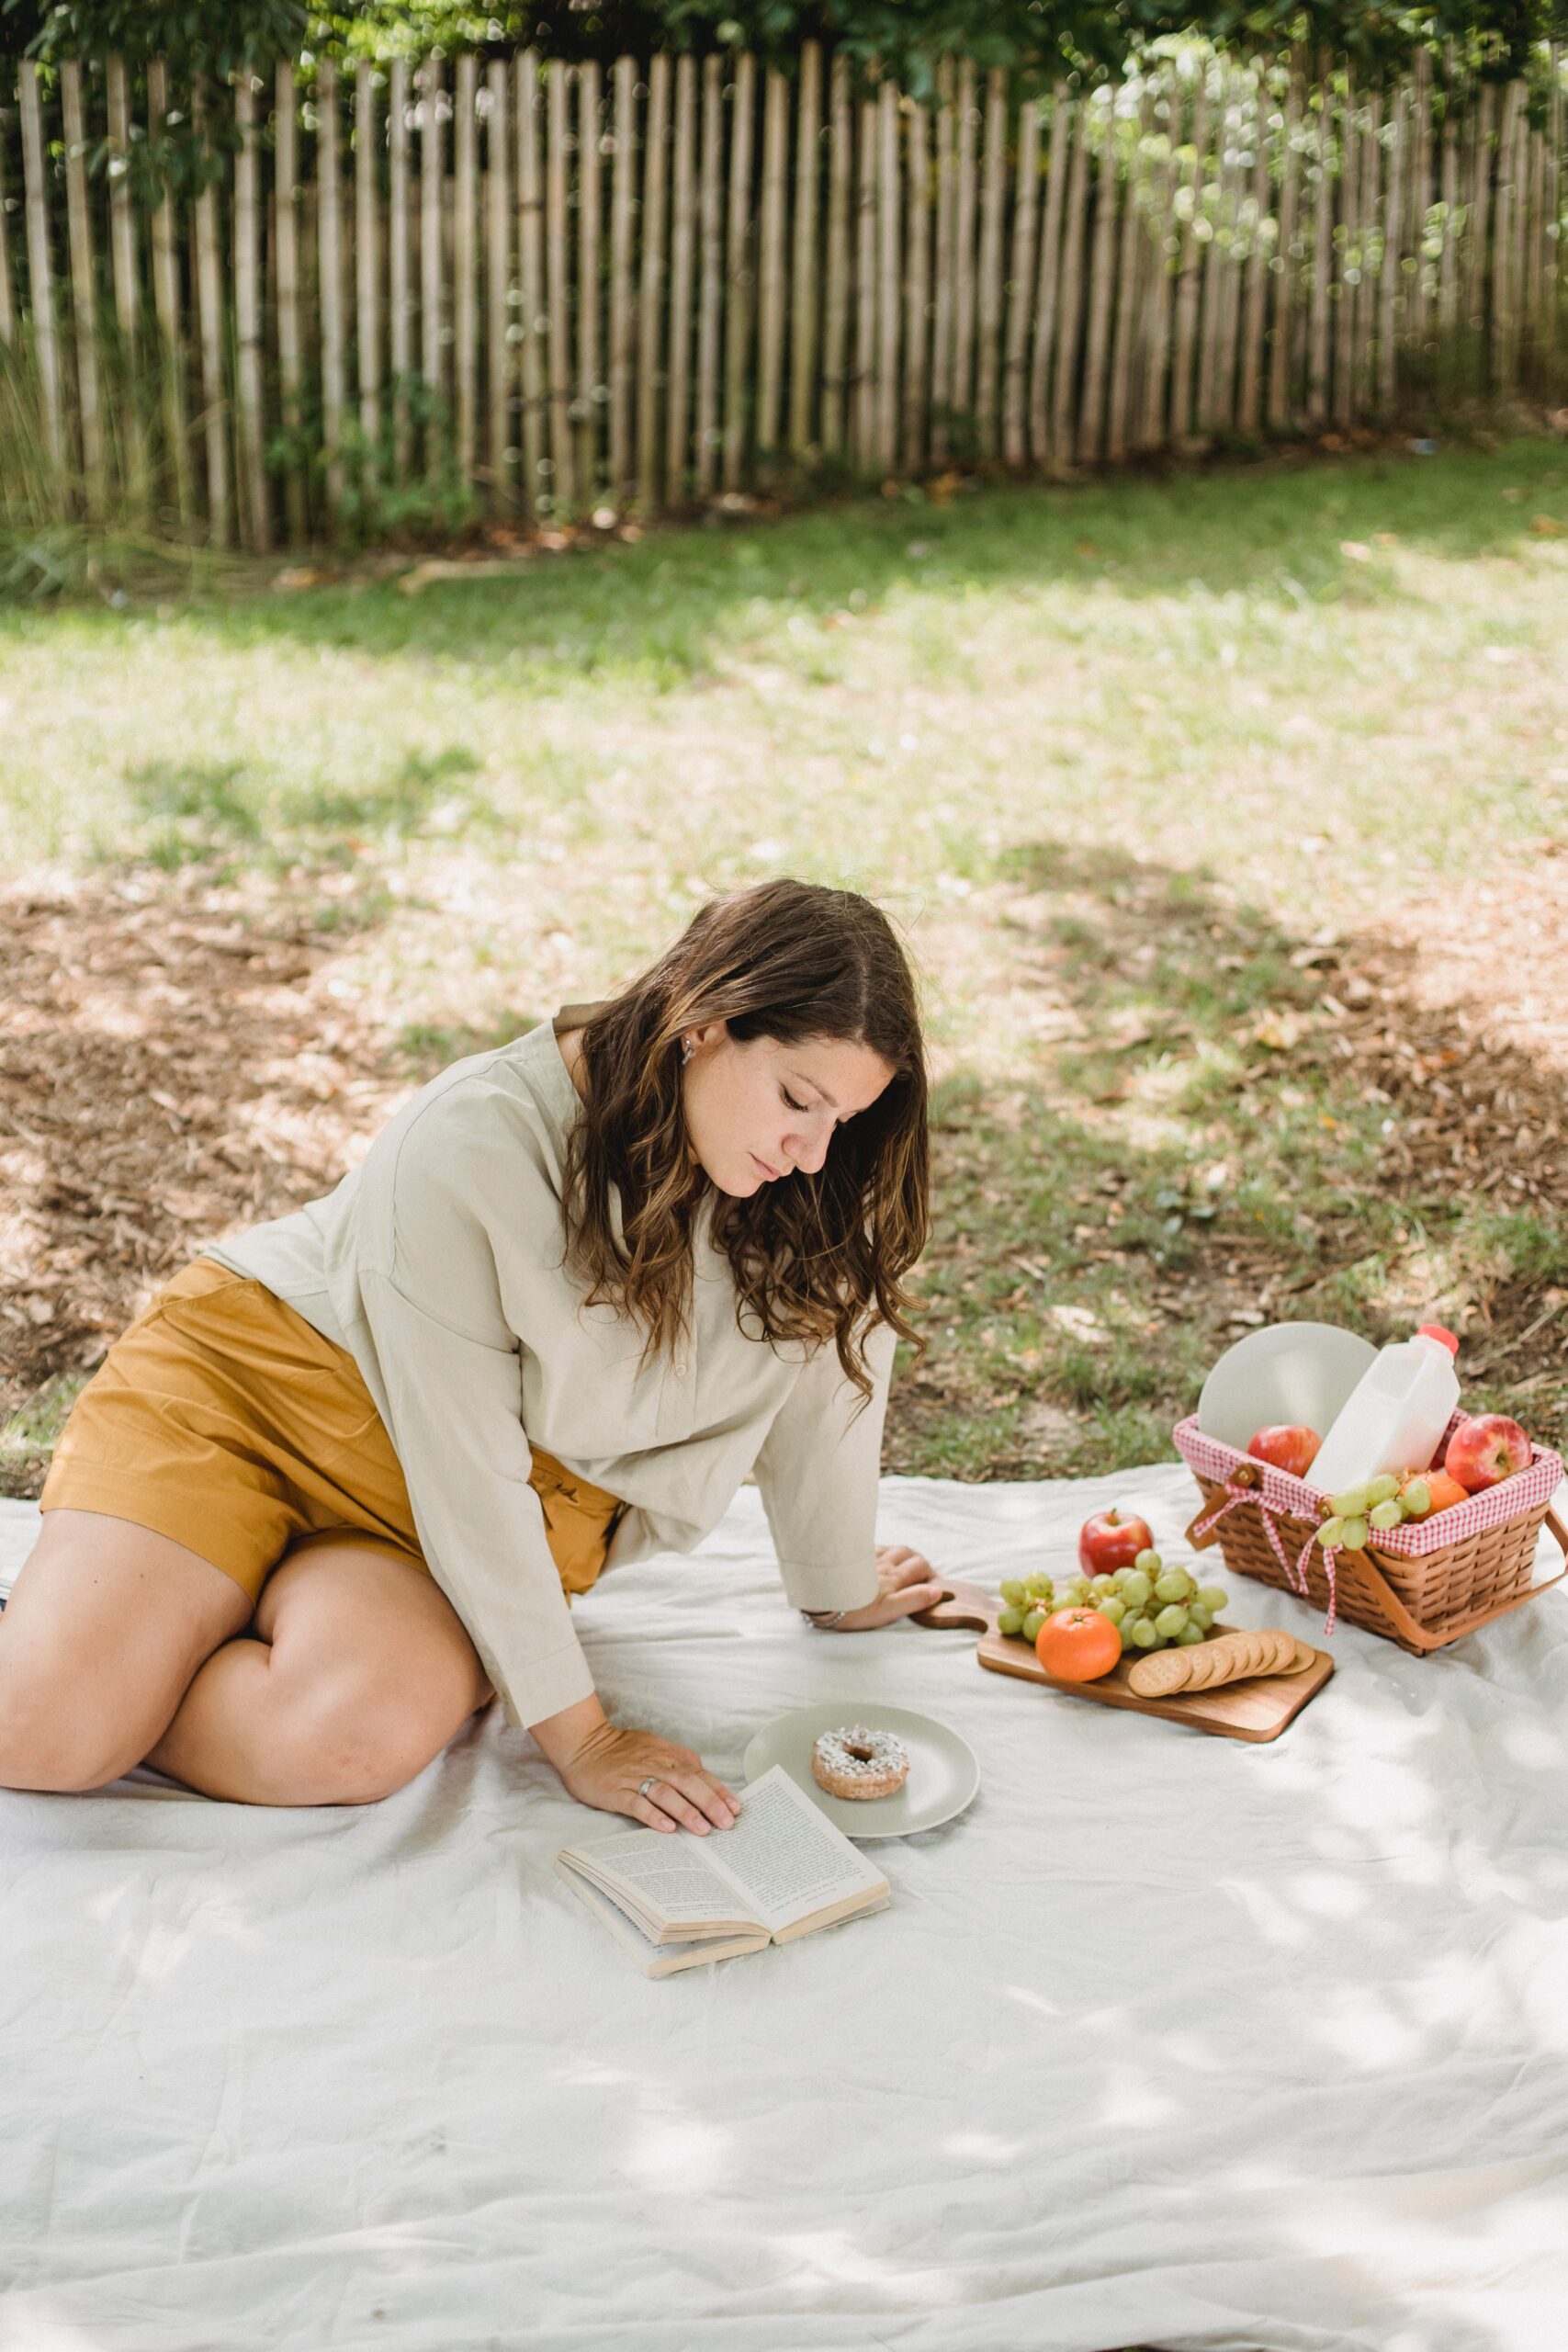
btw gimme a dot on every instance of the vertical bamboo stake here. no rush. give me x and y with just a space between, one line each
1230 271
946 262
1164 251
1553 212
465 259
1249 400
1349 217
1420 194
1504 290
7 296
368 267
993 197
286 245
531 274
964 238
1189 280
650 306
738 314
1216 267
399 283
710 313
1127 294
1519 258
558 298
1091 411
589 387
1063 435
1369 191
209 311
1318 377
917 286
888 285
623 311
432 208
1478 268
256 522
122 253
1536 265
1390 274
1048 278
1284 265
864 405
771 262
328 246
836 310
40 281
498 288
83 302
678 416
1015 388
1448 260
802 290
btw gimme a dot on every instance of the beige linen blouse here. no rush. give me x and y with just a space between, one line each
436 1262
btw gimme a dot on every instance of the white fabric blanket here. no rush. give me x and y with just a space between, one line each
1168 2040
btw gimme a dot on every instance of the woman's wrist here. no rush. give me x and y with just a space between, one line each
561 1736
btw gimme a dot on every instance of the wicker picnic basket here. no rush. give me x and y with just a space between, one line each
1422 1585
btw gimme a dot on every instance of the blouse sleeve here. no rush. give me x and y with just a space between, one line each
444 1205
819 1472
453 1413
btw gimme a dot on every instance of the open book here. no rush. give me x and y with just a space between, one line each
781 1870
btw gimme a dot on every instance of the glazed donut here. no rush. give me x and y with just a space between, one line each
855 1762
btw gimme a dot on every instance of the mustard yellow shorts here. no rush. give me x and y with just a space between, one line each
224 1420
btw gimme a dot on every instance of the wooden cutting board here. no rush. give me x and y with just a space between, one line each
1258 1709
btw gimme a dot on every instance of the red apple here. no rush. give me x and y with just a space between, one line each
1288 1445
1108 1542
1484 1451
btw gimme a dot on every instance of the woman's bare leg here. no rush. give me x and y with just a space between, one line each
105 1625
355 1674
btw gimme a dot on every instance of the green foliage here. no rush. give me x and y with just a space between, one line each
1035 38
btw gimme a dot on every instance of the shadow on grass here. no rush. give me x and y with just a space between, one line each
1216 1138
1287 532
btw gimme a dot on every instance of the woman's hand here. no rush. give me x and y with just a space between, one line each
906 1585
603 1765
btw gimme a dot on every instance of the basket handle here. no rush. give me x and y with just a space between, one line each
1418 1637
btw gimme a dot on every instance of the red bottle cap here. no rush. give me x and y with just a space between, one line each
1437 1331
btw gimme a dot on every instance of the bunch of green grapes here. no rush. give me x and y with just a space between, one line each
1151 1606
1381 1503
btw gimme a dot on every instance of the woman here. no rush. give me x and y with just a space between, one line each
333 1491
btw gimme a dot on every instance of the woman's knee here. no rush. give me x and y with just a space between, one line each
53 1736
343 1737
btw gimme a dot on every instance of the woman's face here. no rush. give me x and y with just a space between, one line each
758 1110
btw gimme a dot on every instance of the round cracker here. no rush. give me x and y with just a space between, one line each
1160 1675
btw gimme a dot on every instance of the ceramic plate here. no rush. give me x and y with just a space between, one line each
943 1774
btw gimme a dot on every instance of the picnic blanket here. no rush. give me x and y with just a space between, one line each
1168 2040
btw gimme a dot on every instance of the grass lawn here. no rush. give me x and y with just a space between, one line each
1222 815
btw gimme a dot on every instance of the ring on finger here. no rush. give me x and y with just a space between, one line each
643 1786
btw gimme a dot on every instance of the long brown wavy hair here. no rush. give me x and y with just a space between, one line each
814 1257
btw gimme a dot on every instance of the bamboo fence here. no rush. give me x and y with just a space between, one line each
538 291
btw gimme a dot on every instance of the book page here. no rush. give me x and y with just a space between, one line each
784 1855
655 1959
668 1875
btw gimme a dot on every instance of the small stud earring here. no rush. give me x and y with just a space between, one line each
686 1050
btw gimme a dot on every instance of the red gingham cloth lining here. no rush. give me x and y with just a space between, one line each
1525 1490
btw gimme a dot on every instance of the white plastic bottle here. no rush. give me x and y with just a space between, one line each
1394 1415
